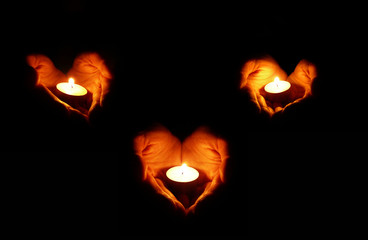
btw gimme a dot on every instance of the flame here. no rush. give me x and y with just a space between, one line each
277 81
183 168
71 82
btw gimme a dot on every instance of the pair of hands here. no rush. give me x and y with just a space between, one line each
89 70
256 73
158 149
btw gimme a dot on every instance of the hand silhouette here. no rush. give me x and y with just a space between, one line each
89 70
256 73
159 150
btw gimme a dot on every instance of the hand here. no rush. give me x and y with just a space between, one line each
256 73
159 150
88 70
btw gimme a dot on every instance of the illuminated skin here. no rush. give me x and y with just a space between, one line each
256 73
208 153
88 68
158 149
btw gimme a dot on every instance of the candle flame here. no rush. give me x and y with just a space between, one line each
71 82
277 81
183 167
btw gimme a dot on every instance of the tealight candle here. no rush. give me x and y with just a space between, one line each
277 91
182 173
74 94
70 88
184 182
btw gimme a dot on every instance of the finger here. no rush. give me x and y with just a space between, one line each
294 102
278 109
96 99
254 98
178 205
207 192
166 192
264 106
191 209
48 74
161 189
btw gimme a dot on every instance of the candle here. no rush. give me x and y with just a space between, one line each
277 91
182 173
277 86
74 94
70 88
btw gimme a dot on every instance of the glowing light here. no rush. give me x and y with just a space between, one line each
277 86
70 88
182 173
71 82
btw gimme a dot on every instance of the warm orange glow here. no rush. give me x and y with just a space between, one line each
89 69
182 173
261 79
202 152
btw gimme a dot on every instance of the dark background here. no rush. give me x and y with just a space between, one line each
179 65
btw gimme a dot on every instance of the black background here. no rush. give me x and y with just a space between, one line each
179 65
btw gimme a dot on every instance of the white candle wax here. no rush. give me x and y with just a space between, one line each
182 174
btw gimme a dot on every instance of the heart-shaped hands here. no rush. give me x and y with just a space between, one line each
256 73
89 70
159 150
